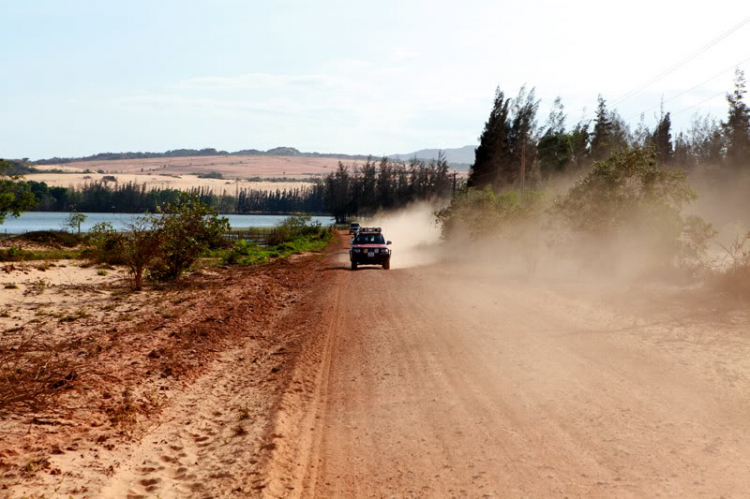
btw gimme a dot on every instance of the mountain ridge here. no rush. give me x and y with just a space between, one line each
457 155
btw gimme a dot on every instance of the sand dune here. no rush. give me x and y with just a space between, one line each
172 181
230 166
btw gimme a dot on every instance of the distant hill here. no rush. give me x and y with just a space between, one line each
183 153
458 156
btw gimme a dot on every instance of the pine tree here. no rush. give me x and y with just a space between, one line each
706 140
642 134
620 136
662 139
556 119
368 198
386 184
338 192
443 184
737 127
600 141
579 143
683 156
493 144
521 139
555 148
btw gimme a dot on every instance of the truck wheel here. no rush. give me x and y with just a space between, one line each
354 265
387 265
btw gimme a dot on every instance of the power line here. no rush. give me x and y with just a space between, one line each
681 63
690 89
701 102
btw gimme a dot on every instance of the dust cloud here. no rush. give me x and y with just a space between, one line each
725 202
414 234
521 251
542 250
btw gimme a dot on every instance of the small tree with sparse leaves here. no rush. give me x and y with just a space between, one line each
75 220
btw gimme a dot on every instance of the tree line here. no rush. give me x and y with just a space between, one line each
132 197
357 189
365 189
515 151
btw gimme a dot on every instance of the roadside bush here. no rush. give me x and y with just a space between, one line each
511 220
164 245
106 245
186 228
630 188
696 236
294 235
631 206
625 214
479 213
137 247
734 274
292 227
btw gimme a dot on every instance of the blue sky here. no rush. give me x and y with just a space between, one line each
81 77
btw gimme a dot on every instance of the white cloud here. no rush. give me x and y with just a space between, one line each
253 81
403 53
375 106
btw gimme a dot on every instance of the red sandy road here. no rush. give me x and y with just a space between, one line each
440 384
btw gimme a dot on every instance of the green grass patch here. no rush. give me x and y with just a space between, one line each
14 254
251 253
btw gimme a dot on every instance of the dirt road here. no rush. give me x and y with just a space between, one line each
441 381
445 380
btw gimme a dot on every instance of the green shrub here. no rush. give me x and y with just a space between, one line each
251 253
106 245
293 227
186 229
734 275
164 245
56 239
479 213
137 248
14 254
632 204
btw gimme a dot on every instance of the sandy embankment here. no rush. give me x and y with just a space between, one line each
172 390
35 290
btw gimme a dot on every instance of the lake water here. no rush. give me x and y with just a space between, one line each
38 220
